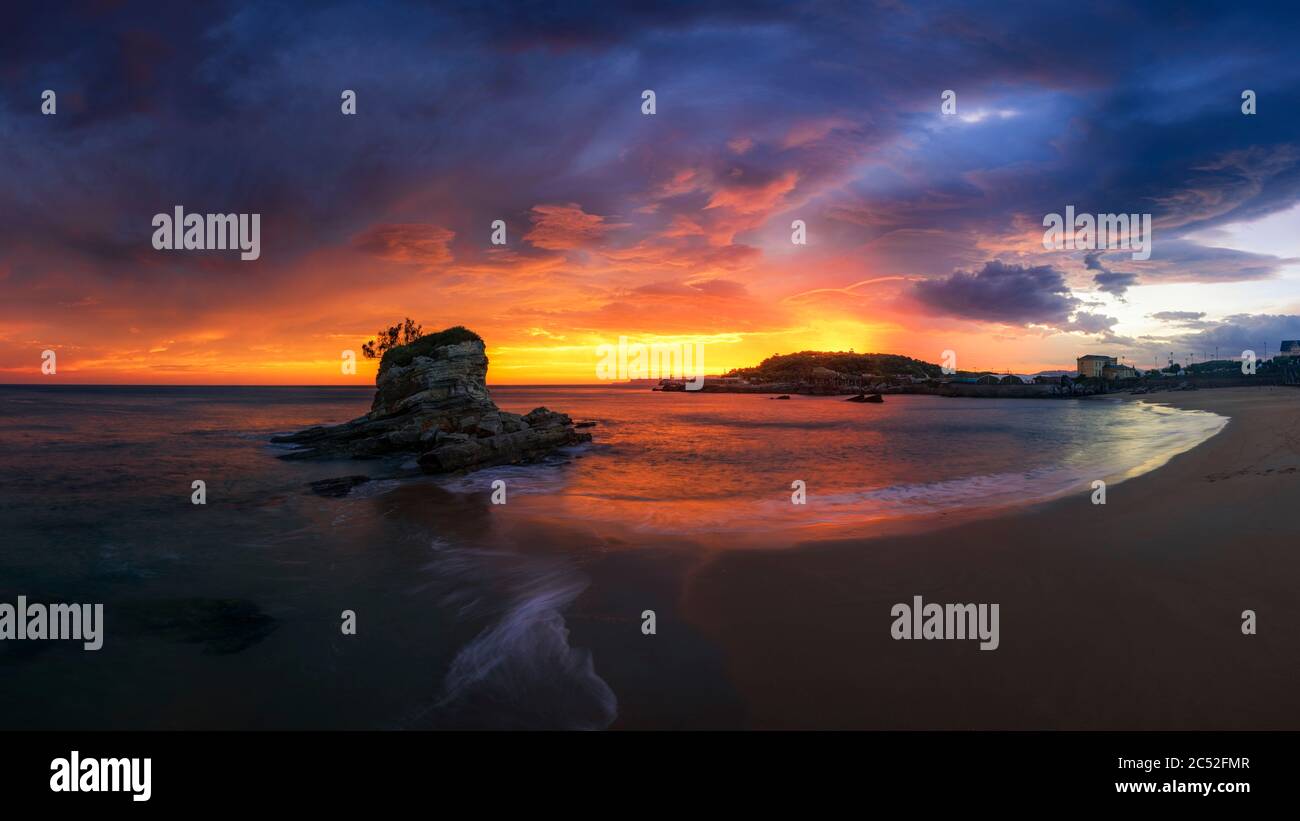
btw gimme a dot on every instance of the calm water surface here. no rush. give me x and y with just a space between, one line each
227 615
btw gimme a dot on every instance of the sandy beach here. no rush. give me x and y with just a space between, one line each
1122 616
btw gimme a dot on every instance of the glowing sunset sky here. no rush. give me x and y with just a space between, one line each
924 230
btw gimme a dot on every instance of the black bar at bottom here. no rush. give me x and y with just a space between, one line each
251 770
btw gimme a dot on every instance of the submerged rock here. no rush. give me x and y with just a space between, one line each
432 401
335 488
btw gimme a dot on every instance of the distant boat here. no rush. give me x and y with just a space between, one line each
782 396
866 397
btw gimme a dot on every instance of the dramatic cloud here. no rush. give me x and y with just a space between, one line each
423 244
767 112
1241 332
1011 294
1114 282
1108 281
1179 260
566 227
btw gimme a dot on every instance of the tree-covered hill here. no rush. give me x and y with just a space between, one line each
796 366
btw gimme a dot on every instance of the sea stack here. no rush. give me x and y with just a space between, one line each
432 402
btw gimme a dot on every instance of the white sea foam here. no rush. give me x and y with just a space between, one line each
520 670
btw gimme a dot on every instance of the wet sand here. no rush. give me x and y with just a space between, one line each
1122 616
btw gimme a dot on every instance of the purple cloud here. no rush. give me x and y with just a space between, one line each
1001 292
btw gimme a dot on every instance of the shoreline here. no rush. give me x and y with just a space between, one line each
1122 616
843 518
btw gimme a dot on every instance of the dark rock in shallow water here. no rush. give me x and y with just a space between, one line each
542 432
584 424
866 397
335 488
222 626
432 401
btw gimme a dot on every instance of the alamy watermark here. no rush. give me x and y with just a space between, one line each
946 621
208 232
77 774
53 622
1125 232
658 360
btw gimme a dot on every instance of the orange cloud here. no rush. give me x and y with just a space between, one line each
754 199
566 227
407 243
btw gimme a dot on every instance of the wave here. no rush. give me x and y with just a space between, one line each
519 672
545 477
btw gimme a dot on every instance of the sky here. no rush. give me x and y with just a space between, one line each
924 228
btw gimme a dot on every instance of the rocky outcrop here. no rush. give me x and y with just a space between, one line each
432 402
337 488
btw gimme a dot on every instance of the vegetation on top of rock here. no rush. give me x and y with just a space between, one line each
403 333
403 355
798 366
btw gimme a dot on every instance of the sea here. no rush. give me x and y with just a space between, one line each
528 613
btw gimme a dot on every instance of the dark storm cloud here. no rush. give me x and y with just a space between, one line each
109 61
521 25
1108 281
1114 282
1241 332
1180 260
474 111
1013 294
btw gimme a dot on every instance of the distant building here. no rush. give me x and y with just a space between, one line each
1118 372
1091 366
1290 347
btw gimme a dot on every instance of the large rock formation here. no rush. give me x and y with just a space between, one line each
432 401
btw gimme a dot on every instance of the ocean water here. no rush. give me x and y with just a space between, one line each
469 614
726 463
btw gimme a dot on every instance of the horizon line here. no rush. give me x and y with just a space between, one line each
276 385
